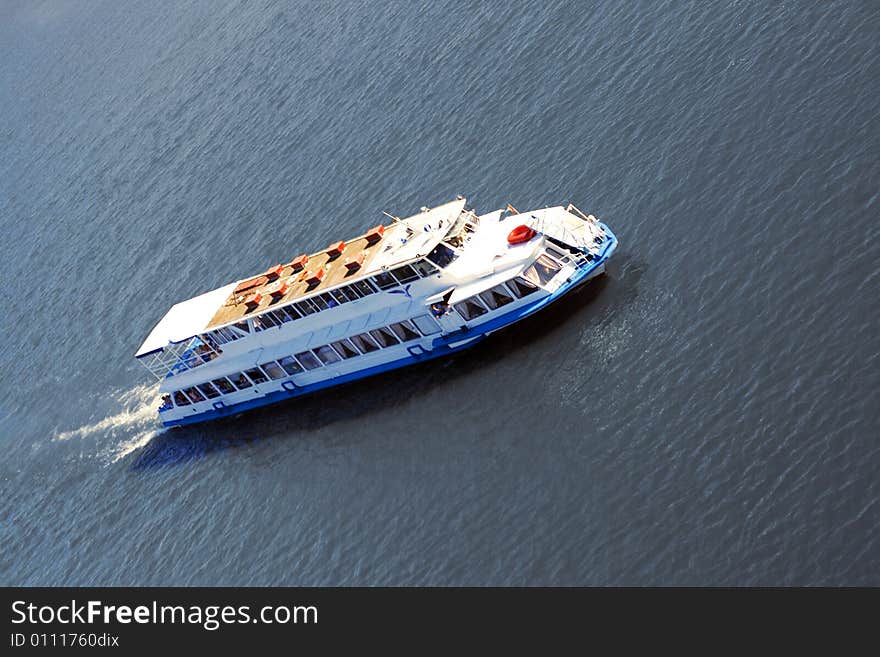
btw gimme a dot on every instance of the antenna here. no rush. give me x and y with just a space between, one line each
391 216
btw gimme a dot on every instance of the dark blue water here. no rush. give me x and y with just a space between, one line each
706 414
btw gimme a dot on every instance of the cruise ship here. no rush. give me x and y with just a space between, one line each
404 292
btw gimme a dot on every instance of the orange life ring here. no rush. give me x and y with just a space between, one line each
520 234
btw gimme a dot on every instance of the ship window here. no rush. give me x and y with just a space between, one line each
424 268
291 312
223 385
542 270
339 296
194 395
365 343
384 336
365 288
350 293
426 324
405 331
470 308
240 380
442 255
405 274
242 326
282 315
221 336
330 300
496 297
346 349
256 375
209 391
327 355
307 359
273 370
306 307
521 287
557 254
290 365
180 399
384 280
264 321
319 303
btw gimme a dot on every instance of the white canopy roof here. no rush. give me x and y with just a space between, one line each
185 319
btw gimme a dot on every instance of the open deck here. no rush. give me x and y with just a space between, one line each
287 282
341 262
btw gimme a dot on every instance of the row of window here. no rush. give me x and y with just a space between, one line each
494 298
352 292
328 354
364 343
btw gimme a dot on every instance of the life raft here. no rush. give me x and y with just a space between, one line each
520 234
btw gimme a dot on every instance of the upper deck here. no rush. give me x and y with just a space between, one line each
342 263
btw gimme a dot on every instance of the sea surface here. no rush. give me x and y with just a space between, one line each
708 413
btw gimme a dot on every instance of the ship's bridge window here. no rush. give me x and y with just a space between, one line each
256 375
330 300
556 254
442 255
273 369
242 326
542 270
327 355
339 296
521 287
405 331
290 365
222 384
405 274
365 343
307 359
470 308
384 280
240 380
180 399
426 324
496 297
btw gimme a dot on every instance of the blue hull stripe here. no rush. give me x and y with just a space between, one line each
440 347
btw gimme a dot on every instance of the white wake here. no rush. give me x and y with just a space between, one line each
137 420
